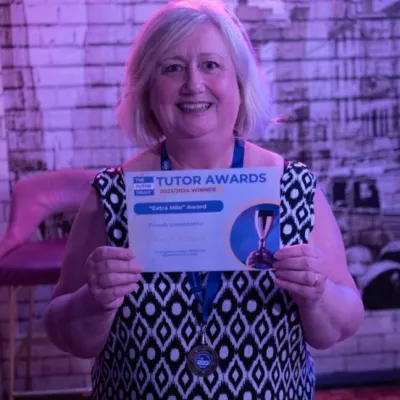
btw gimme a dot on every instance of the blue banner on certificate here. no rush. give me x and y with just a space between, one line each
204 220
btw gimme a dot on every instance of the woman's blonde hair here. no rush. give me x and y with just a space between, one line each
165 29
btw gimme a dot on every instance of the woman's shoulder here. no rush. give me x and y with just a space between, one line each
290 170
146 160
257 156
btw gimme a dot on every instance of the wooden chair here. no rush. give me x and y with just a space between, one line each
26 262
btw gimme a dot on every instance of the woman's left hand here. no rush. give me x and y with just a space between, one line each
301 270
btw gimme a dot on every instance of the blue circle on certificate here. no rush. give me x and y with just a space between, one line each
255 235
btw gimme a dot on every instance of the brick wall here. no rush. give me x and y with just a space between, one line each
4 175
4 185
60 72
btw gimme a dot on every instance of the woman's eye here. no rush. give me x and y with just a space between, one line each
173 68
210 65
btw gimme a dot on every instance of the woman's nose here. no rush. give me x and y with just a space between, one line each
194 80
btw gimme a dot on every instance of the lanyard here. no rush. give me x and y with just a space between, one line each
207 295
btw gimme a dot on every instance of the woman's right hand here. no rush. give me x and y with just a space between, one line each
113 273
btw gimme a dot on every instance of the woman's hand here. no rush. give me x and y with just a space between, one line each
301 270
112 274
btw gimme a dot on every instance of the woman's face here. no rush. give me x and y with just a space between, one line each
194 90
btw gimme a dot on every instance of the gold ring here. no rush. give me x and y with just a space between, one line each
316 279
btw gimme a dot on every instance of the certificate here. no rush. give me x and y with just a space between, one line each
204 220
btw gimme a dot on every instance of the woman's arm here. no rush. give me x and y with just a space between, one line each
340 311
73 320
329 302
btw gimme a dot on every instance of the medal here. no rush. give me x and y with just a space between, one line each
202 360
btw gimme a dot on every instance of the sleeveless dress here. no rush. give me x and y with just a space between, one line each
254 327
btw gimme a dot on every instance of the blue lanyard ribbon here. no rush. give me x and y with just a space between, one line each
206 296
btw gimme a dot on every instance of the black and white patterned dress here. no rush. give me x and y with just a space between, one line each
254 326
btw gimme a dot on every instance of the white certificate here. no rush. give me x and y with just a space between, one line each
204 220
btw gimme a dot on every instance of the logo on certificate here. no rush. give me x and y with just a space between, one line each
143 186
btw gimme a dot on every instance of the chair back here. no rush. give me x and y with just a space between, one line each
40 196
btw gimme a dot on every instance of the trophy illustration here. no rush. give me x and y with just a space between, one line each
261 258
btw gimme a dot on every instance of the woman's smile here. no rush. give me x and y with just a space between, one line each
194 108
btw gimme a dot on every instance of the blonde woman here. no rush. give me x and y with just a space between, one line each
193 93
